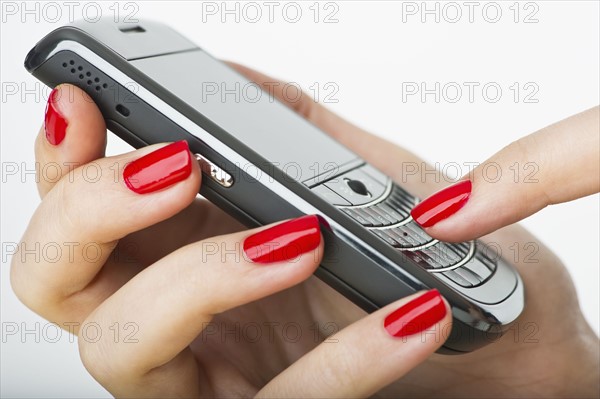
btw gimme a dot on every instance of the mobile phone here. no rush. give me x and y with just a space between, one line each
263 163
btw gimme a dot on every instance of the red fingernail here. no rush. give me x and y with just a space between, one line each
417 315
442 204
159 169
55 124
284 241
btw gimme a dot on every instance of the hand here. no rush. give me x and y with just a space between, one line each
167 296
147 276
557 164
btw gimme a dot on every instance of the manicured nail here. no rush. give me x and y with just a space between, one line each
417 315
159 169
442 204
284 241
55 124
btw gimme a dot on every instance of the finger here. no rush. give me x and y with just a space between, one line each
198 221
556 164
170 302
369 354
57 269
73 134
379 152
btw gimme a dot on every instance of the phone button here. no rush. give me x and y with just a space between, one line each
400 200
356 187
390 213
358 216
439 256
458 279
408 235
329 196
479 267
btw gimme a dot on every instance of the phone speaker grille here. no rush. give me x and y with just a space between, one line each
84 75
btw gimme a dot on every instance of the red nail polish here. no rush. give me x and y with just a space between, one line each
159 169
284 241
55 125
417 315
442 204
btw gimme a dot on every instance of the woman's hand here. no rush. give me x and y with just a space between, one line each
556 164
140 275
158 270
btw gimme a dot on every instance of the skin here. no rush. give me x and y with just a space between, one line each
161 280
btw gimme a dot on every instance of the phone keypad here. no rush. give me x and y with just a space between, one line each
358 194
404 236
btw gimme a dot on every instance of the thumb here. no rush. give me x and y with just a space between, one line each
556 164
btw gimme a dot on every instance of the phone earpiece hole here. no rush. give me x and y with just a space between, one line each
123 110
132 29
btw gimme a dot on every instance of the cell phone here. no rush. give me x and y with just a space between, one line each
263 163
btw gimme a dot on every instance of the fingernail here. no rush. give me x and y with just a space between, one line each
417 315
159 169
284 241
55 125
442 204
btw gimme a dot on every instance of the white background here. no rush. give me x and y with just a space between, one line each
368 54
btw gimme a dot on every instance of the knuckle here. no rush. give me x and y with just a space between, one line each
97 353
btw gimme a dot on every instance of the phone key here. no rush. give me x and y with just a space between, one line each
422 259
458 251
488 256
392 215
358 216
417 232
441 255
398 208
468 275
380 215
410 235
455 277
381 233
405 241
402 198
330 196
476 266
449 255
375 219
